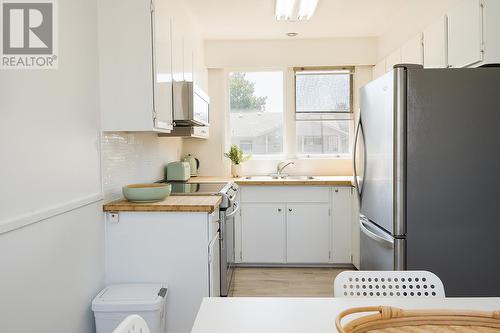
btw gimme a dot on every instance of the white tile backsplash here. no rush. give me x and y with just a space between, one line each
129 158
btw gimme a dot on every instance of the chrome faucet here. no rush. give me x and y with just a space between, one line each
281 166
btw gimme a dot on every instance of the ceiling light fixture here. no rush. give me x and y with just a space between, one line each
306 9
291 10
284 9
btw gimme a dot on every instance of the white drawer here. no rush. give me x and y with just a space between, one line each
284 193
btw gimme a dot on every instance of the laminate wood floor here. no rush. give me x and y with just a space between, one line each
283 282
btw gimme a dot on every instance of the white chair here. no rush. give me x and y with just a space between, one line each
403 284
132 324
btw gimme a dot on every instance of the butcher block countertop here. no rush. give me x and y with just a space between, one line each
172 203
317 180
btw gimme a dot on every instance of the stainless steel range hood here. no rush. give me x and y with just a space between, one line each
190 104
200 132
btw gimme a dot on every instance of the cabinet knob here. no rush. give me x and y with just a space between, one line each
279 209
289 209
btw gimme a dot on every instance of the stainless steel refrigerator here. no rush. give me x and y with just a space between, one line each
427 167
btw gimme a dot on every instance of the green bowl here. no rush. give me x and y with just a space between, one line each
146 192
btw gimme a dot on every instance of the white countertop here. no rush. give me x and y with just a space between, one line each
306 315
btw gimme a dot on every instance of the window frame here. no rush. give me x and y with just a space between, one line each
289 120
348 69
228 140
340 114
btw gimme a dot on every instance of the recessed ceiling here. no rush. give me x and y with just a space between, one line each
254 19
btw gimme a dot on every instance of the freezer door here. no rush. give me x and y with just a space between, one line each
453 178
376 104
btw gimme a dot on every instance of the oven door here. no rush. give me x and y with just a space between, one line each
227 248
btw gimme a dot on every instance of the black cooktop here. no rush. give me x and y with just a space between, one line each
181 188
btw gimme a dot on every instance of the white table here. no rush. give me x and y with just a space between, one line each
306 315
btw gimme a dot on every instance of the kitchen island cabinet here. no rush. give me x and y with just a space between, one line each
177 248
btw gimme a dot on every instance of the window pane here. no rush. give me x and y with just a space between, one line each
323 137
256 111
323 92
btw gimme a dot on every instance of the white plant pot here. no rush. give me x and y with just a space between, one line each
236 170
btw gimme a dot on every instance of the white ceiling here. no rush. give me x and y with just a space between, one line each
254 19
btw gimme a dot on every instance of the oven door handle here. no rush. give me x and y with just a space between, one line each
235 210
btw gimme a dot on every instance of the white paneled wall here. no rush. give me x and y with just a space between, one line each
134 158
52 265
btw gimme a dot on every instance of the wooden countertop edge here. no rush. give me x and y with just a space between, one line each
166 208
319 181
122 205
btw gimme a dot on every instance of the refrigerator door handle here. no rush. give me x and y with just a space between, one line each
374 233
354 160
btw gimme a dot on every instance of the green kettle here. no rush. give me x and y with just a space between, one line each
194 163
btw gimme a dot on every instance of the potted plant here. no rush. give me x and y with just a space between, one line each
237 157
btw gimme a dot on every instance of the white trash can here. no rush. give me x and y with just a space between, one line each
114 303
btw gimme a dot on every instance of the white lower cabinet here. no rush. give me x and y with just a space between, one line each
263 233
176 248
294 225
308 233
214 267
342 224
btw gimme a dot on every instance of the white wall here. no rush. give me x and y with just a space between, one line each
50 183
129 158
291 52
424 13
50 271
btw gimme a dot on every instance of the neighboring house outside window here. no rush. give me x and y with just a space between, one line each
323 111
246 145
256 112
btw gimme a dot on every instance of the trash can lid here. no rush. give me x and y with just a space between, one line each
130 297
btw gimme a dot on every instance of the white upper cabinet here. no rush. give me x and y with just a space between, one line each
491 31
412 51
162 34
474 33
188 57
378 69
465 34
132 99
392 59
177 49
436 44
